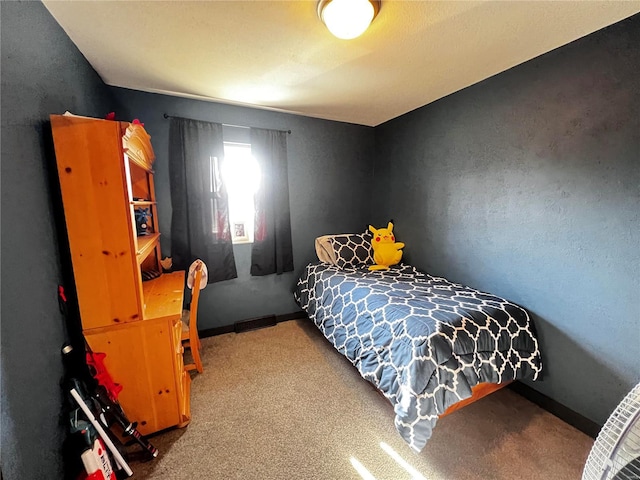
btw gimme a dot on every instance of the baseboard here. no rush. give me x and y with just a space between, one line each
251 324
574 419
291 316
254 323
212 332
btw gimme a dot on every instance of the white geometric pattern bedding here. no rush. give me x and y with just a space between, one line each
421 340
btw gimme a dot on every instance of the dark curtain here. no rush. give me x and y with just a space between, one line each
200 220
271 251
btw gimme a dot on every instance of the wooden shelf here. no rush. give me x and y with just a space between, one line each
146 244
142 203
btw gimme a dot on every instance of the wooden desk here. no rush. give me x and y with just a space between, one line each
163 296
145 357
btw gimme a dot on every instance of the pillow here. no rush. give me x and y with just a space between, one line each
352 250
324 250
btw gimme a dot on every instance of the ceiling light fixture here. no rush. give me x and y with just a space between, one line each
348 19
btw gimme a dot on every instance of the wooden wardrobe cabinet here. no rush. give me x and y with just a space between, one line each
106 176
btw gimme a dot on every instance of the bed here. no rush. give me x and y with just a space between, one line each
422 341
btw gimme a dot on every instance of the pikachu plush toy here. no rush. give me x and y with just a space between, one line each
386 251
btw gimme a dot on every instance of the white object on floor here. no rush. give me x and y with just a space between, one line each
616 452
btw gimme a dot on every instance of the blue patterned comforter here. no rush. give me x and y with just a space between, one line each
421 340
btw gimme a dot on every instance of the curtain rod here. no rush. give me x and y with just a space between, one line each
225 124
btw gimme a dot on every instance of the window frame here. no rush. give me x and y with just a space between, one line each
245 225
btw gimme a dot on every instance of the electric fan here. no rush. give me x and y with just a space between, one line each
615 455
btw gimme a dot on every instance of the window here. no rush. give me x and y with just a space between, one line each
241 175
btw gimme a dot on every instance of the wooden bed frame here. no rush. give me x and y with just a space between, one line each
478 392
481 390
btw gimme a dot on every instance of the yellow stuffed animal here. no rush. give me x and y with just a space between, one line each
386 251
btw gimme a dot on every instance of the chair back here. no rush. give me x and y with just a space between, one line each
195 296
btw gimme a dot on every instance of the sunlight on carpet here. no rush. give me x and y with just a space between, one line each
367 475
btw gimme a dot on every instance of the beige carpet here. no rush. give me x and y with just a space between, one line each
281 403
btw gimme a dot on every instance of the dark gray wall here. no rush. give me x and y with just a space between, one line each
527 185
329 170
42 73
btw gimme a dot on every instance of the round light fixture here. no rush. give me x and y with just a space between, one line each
348 19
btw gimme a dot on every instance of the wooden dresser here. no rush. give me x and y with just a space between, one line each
106 180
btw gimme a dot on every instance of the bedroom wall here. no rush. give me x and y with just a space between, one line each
42 73
329 170
527 185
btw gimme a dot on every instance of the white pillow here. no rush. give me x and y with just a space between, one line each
324 249
345 249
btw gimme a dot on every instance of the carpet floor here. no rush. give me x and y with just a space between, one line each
281 403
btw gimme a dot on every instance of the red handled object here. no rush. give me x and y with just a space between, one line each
95 361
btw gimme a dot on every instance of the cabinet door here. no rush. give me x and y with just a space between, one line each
97 214
141 357
184 378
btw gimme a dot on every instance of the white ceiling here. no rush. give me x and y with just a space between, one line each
278 55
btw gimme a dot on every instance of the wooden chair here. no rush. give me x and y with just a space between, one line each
190 337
